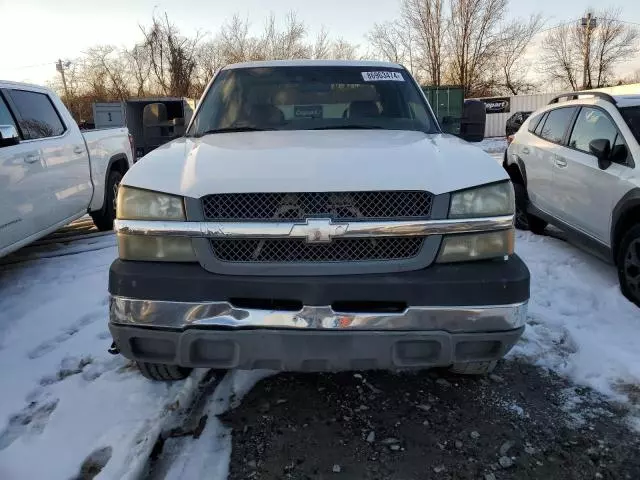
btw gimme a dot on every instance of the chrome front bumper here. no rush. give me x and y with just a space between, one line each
181 315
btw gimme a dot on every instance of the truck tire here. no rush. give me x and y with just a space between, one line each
473 368
628 263
524 220
103 219
162 372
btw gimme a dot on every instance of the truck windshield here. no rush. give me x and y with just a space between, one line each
312 98
631 115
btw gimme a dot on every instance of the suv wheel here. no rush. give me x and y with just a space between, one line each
524 220
103 219
628 263
162 372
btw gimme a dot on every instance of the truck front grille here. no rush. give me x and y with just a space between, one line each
298 250
374 205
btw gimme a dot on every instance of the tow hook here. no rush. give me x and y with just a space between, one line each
113 349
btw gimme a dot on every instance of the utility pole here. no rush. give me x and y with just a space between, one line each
588 24
60 67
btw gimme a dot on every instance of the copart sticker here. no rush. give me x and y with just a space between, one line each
382 77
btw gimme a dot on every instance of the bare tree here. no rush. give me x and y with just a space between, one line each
287 43
475 38
110 67
609 43
322 46
237 44
428 25
560 58
343 50
391 41
613 43
172 56
516 39
139 67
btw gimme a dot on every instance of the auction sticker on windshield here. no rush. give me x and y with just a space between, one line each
382 76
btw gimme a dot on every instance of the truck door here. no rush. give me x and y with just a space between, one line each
22 173
63 186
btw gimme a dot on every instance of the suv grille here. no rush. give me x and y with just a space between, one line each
298 250
383 205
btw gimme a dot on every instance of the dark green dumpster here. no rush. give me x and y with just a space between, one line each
446 102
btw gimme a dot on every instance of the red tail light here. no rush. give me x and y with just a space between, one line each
509 139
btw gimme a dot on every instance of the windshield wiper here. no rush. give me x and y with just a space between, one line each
349 127
232 130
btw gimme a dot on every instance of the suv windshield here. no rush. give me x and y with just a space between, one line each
312 98
631 115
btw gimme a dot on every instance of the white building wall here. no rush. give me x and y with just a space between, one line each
496 122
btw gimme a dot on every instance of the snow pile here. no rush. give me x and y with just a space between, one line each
579 323
208 456
493 145
67 405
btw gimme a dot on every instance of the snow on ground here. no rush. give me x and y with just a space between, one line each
493 145
64 398
579 323
67 405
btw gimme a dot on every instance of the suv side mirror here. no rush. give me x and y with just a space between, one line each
472 123
601 148
8 136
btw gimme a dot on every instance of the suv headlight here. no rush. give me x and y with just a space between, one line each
136 204
487 201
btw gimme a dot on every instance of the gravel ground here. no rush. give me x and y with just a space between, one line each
520 423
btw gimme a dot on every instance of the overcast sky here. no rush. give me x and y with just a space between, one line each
35 33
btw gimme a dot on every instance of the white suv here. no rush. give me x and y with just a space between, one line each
576 164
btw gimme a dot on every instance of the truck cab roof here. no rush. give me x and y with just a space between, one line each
313 63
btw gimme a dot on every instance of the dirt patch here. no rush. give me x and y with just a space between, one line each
516 424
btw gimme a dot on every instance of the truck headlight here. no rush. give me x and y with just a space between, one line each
476 246
136 204
487 201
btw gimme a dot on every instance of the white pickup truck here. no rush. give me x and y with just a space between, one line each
50 172
315 217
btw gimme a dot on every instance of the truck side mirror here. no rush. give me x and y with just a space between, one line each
601 148
8 136
472 123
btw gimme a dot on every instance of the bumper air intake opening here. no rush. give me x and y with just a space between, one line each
219 353
267 304
367 306
418 352
154 349
477 350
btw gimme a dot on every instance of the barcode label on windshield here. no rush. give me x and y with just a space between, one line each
382 77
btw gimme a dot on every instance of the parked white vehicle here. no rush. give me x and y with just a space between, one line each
576 164
315 217
50 172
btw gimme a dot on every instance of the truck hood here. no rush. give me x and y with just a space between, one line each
314 161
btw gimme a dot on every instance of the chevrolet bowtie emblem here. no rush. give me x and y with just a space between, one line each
319 230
